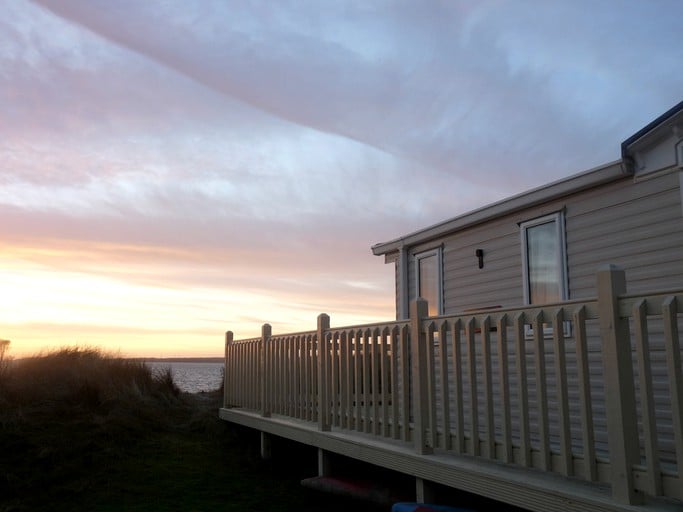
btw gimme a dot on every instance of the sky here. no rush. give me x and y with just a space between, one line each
173 170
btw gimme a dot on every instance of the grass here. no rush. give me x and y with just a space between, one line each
83 430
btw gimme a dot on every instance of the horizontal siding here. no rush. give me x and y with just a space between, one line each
657 276
637 226
467 286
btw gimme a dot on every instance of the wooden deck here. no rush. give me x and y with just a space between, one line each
574 406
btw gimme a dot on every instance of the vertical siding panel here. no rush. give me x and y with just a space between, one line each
384 370
228 390
673 357
252 384
506 430
334 384
405 382
314 343
244 376
273 384
294 364
239 374
562 393
297 366
268 379
358 373
431 384
280 381
311 409
250 372
443 377
374 370
541 392
588 436
301 372
234 378
314 353
253 371
367 340
488 387
289 376
306 389
347 365
522 391
227 375
277 382
235 353
647 402
456 351
394 383
474 399
282 376
257 375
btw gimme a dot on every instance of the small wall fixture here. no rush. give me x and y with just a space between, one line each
480 257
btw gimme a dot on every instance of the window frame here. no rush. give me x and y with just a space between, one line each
561 238
438 252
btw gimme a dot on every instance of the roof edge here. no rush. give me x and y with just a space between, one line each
646 130
598 175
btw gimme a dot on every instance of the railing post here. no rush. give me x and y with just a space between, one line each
266 377
323 373
418 356
226 373
619 387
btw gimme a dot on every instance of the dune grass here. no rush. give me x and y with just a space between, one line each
85 430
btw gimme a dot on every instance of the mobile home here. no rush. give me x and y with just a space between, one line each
535 353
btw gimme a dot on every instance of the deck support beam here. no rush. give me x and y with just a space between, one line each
324 463
424 491
266 446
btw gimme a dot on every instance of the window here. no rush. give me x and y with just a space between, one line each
545 263
428 284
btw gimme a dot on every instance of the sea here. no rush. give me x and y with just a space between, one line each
191 376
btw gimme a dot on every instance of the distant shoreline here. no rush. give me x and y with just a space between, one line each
178 359
146 359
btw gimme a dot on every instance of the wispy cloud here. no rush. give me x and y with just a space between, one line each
251 149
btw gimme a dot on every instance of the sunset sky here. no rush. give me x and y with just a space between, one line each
172 170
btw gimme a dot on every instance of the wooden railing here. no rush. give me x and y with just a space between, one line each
589 389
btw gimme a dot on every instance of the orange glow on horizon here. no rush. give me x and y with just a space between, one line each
137 310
